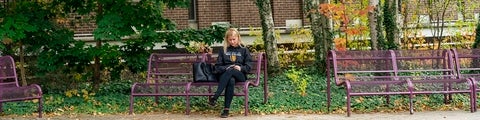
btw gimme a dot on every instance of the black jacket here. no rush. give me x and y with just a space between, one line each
243 59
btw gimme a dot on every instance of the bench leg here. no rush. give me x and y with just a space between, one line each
450 96
246 101
349 111
411 103
131 105
328 90
187 103
475 100
328 97
265 91
472 102
1 107
447 97
474 97
40 107
388 96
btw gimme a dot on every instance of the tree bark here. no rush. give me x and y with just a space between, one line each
372 23
395 7
96 66
268 33
476 44
390 23
321 31
22 67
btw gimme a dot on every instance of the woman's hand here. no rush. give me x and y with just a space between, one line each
236 67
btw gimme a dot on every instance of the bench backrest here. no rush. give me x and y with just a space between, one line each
171 68
259 66
8 74
467 63
421 63
361 65
381 65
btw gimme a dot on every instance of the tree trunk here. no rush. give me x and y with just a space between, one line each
96 66
321 31
390 23
445 6
476 44
268 33
372 23
381 42
22 67
396 34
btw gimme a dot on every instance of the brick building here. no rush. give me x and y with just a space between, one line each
244 14
240 13
204 13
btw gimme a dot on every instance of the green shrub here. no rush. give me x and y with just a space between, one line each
299 78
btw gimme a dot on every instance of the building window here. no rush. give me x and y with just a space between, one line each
192 10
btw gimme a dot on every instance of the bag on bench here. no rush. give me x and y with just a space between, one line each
203 72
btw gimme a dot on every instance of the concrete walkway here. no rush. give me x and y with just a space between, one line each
428 115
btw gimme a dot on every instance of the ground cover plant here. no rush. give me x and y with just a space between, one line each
63 66
285 96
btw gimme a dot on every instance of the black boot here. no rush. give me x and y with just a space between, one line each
212 102
224 114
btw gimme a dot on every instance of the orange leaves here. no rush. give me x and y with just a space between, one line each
356 30
349 20
334 11
341 12
340 44
364 12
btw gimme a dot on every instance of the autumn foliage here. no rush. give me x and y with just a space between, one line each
345 16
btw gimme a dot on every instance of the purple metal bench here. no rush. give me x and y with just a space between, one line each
258 69
401 72
171 75
433 72
467 63
167 75
10 91
365 73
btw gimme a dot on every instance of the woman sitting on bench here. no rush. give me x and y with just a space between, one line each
232 65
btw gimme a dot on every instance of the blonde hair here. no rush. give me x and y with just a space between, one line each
231 32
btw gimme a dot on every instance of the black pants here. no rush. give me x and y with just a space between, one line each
227 81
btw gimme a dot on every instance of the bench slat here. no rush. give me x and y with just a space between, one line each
469 69
365 58
429 70
378 71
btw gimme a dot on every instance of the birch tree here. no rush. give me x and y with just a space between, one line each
268 33
372 23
